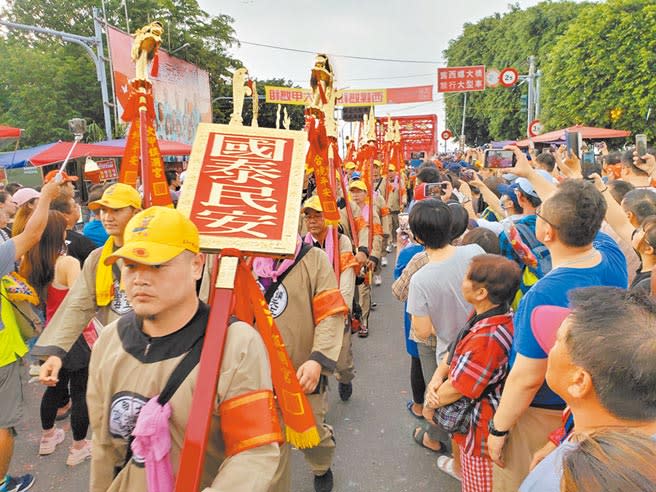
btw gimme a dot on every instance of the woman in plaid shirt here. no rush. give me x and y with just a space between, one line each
477 363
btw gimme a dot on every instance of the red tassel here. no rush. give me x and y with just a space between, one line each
154 69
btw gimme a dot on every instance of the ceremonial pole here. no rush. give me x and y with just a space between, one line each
322 136
142 156
234 290
371 151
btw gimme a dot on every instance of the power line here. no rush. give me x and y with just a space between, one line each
376 78
353 57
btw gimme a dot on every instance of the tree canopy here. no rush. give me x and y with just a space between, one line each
501 41
45 81
601 71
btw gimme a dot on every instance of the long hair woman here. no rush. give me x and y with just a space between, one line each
52 273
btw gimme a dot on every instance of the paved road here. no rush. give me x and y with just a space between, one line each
375 451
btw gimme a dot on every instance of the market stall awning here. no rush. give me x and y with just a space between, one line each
21 158
58 152
9 132
587 132
9 136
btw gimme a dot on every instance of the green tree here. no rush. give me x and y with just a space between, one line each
500 41
605 61
42 86
208 38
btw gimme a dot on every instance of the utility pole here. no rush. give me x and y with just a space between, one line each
462 128
531 91
88 43
538 77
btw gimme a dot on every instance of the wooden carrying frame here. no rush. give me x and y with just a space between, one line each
210 167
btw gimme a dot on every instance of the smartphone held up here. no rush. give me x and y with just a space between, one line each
499 159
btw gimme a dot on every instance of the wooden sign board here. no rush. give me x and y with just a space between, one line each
243 188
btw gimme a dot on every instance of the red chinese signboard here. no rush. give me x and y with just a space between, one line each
418 133
243 188
107 170
287 95
461 79
352 97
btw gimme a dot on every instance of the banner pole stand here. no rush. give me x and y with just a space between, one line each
192 458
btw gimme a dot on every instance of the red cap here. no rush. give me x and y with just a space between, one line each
545 321
65 177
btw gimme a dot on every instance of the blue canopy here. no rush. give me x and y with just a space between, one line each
20 158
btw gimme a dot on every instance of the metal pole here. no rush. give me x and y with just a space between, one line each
111 65
464 115
531 95
127 19
102 76
87 43
538 78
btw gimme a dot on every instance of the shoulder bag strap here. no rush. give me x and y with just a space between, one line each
274 286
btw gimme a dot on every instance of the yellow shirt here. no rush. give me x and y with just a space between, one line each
12 345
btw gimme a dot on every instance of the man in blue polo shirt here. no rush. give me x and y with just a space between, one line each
568 223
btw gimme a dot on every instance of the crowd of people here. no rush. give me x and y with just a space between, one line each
528 321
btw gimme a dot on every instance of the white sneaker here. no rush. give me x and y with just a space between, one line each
48 444
389 248
77 456
383 261
378 280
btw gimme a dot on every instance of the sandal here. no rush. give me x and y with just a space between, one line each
409 407
418 436
446 464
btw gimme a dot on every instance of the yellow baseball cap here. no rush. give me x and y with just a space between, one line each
358 184
349 165
117 196
377 163
157 235
392 167
314 203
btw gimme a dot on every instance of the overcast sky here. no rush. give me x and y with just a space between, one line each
400 29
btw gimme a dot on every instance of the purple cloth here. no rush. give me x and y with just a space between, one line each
152 441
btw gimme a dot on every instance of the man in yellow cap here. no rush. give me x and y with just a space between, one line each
97 291
320 235
396 201
349 167
309 310
380 192
367 258
140 399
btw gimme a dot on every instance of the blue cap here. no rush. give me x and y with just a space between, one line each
525 186
454 167
356 175
509 191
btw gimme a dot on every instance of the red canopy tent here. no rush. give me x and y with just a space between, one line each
587 133
58 152
9 132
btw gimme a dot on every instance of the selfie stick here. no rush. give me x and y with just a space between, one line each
58 176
